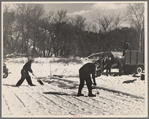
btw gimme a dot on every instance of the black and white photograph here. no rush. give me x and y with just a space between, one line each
74 59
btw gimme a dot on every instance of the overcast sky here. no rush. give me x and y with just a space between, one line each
89 10
84 8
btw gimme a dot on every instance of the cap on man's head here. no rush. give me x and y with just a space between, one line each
30 58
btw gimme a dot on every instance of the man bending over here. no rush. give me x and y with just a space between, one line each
84 74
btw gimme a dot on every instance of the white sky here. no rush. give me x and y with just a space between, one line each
89 10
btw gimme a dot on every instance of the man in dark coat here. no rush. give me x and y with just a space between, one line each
84 74
25 74
105 63
108 63
126 47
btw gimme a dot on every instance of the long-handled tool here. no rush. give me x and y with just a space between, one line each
96 89
38 80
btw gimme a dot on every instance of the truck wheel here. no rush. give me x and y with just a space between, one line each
139 70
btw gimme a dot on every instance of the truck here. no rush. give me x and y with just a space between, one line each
133 61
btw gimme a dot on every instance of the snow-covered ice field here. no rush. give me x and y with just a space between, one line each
117 96
44 67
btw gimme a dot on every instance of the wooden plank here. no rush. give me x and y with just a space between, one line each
133 58
127 57
140 58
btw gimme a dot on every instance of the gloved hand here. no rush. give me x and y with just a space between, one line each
33 74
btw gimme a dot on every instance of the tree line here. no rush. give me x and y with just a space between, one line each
29 31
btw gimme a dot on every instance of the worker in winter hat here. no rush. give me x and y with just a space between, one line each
25 73
126 47
84 75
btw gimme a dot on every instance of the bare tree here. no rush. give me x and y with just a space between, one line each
135 16
58 40
94 28
104 22
79 22
117 20
8 30
28 16
61 16
88 27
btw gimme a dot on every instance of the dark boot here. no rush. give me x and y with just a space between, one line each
29 81
32 85
80 94
89 88
91 95
80 87
79 90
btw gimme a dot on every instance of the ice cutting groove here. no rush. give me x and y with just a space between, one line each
111 105
124 101
122 98
103 104
86 103
125 106
112 101
16 106
7 105
20 101
70 102
40 104
48 99
74 105
63 99
80 107
53 101
115 91
119 101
